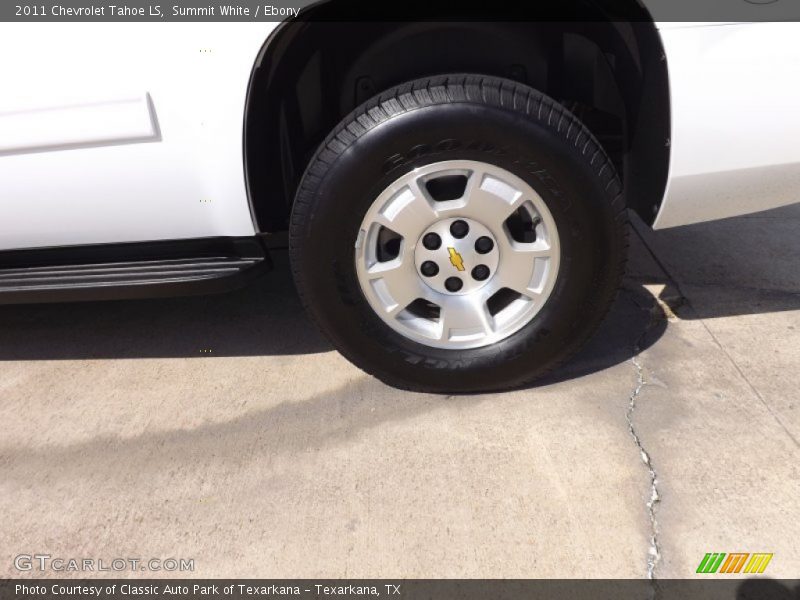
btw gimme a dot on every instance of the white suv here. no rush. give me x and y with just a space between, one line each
456 195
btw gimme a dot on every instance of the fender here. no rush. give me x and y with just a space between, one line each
734 131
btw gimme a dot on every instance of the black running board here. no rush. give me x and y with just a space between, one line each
118 271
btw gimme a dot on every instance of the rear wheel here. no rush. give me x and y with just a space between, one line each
459 234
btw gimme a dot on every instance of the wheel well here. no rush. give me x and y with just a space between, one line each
312 73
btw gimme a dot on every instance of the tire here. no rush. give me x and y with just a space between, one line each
474 119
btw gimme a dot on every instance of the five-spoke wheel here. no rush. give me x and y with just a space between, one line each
457 254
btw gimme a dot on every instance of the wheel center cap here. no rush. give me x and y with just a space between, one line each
456 256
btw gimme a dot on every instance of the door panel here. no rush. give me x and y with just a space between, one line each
122 132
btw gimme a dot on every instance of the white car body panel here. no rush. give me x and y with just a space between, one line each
735 125
125 132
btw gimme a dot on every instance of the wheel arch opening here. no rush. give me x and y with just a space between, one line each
312 72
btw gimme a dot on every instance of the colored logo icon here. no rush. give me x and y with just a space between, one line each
737 562
455 259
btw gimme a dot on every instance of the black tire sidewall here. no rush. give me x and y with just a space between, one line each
565 178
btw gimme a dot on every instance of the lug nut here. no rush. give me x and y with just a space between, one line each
459 229
431 241
484 245
481 273
429 268
453 284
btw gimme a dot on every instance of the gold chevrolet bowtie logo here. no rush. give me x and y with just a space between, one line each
456 259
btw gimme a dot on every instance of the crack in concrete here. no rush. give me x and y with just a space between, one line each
654 551
659 310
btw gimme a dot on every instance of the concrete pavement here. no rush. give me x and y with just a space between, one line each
225 430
